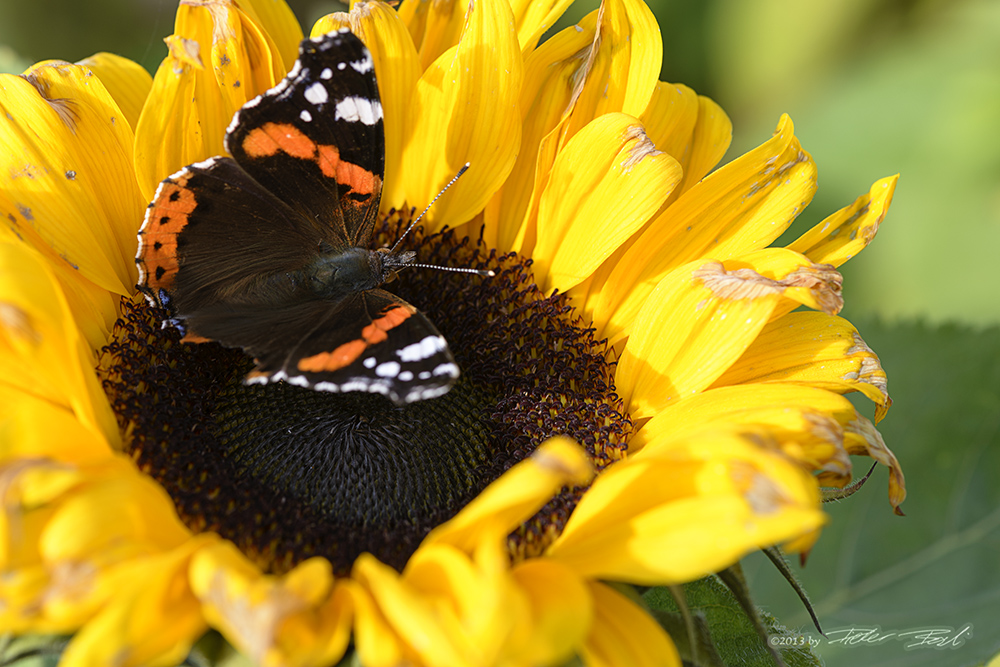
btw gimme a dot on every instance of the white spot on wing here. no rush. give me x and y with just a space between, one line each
428 347
353 109
327 73
363 66
405 376
388 369
305 116
316 94
204 164
369 362
451 370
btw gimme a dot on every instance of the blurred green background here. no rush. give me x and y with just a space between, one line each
875 87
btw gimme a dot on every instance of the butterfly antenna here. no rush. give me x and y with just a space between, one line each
457 269
418 218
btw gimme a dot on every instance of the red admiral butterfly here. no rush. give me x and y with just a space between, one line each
268 250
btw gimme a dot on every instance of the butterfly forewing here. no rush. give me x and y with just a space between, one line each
213 234
316 140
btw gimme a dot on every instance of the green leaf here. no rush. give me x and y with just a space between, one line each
937 567
732 632
32 650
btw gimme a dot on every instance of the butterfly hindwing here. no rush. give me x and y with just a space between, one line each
372 341
316 139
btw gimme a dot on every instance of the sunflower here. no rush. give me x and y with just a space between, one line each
649 390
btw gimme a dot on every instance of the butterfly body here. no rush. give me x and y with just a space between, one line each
268 250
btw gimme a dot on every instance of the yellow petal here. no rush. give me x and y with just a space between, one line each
845 233
701 318
74 525
581 73
550 74
534 17
583 216
127 82
42 351
411 616
712 135
691 129
377 644
621 73
466 110
865 440
686 508
275 620
740 207
124 515
516 495
434 27
151 617
63 438
94 308
561 612
813 349
624 634
670 118
276 20
397 69
67 171
808 424
474 599
218 60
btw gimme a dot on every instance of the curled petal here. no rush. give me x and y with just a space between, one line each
402 619
815 350
691 128
561 612
808 424
864 439
845 233
67 528
151 617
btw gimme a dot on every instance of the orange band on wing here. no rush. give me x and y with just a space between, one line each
348 353
166 217
270 138
360 180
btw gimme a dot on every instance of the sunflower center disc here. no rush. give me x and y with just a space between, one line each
287 473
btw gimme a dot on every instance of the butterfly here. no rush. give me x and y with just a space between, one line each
268 250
